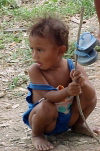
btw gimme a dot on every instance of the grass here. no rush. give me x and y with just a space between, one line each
71 49
17 46
67 7
11 3
17 81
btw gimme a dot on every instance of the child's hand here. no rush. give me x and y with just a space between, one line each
78 77
74 89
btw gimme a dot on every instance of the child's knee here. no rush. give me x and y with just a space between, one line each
44 110
48 109
84 104
93 101
89 103
44 113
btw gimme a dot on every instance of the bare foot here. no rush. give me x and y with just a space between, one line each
97 131
82 129
41 143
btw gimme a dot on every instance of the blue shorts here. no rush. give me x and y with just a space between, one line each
61 124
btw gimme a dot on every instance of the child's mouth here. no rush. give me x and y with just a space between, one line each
39 63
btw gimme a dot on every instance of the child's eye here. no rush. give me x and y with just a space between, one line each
40 50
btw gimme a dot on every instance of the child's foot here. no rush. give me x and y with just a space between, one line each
96 131
82 129
41 143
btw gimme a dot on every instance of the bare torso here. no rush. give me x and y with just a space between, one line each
58 76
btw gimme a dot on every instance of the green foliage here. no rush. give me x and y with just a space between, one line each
23 55
1 44
3 2
10 37
97 48
65 7
17 39
18 46
17 81
70 52
88 6
7 3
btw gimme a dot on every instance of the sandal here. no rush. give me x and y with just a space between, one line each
85 50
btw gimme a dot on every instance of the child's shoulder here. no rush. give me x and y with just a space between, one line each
34 70
36 75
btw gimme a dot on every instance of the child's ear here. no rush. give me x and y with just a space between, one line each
62 49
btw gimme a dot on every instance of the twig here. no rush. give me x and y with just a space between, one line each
15 30
77 97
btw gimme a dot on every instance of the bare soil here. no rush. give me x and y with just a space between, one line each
14 135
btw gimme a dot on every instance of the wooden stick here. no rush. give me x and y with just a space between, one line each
77 97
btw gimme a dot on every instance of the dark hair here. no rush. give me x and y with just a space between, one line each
51 28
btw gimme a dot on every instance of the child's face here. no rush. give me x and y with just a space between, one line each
44 52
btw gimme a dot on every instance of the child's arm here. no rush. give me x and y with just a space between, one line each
37 77
73 89
81 78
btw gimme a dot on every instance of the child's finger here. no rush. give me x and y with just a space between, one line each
75 73
77 77
71 73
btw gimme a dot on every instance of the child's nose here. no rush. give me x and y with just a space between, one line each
35 55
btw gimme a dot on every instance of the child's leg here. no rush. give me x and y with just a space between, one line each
42 120
76 121
97 6
98 37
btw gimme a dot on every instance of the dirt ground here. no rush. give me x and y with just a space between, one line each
14 135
